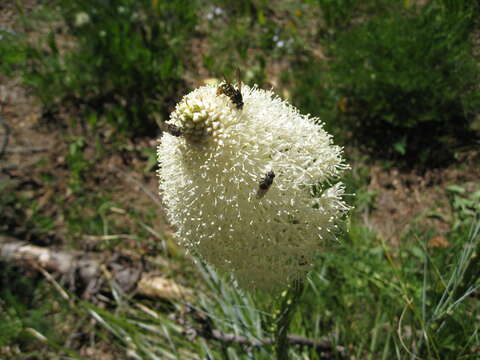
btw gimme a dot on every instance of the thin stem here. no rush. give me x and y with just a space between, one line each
288 307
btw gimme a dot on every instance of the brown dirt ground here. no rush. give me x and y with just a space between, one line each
407 199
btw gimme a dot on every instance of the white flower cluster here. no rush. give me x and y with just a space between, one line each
211 180
81 19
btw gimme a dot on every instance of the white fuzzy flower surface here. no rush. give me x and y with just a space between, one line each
210 183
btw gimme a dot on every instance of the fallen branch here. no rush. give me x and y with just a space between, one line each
31 150
322 347
204 327
90 273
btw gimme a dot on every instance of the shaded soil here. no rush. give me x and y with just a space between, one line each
407 199
36 161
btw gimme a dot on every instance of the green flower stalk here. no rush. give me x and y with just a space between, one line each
251 189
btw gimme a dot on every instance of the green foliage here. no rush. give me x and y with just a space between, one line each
11 52
403 81
119 60
339 14
250 35
465 205
20 216
21 308
77 163
10 325
381 300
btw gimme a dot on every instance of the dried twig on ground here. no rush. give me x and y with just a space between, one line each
324 348
91 273
27 150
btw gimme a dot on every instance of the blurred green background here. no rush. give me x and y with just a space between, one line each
395 82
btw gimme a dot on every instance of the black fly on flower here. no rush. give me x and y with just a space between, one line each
228 89
265 184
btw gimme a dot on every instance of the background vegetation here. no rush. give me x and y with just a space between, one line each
395 82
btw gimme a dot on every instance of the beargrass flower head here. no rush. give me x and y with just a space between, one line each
251 188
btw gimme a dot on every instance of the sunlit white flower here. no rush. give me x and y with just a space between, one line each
210 178
81 19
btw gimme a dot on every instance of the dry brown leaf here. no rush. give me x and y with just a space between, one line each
438 242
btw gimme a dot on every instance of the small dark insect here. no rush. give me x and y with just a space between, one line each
171 129
302 261
229 90
265 184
